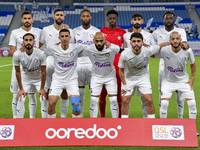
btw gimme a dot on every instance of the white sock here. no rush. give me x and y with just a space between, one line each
14 105
192 109
32 104
20 107
44 107
114 108
64 104
124 116
78 116
151 116
51 116
163 108
180 106
144 107
94 107
81 100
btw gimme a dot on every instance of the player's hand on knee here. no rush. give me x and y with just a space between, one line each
125 89
190 82
21 94
42 93
22 48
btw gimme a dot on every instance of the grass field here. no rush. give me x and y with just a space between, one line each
135 108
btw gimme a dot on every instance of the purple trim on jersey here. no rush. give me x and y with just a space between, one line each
31 70
171 69
69 64
85 43
139 67
106 64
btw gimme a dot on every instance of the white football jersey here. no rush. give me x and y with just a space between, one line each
175 63
137 65
50 36
84 37
65 62
102 61
147 38
31 65
16 37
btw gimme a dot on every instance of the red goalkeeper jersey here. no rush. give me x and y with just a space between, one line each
114 37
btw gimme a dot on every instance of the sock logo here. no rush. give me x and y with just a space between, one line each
81 133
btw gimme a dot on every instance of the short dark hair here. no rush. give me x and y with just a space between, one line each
169 12
137 15
26 13
86 10
136 35
27 34
112 12
64 30
57 10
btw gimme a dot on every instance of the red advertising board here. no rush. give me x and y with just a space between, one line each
98 132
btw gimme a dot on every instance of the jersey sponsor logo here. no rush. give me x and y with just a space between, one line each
184 59
36 60
107 54
81 133
7 132
171 69
71 54
106 64
146 58
139 67
119 37
31 70
65 65
85 43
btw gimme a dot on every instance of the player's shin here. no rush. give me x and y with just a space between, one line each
32 104
44 106
14 105
163 108
20 107
192 109
114 106
64 104
94 107
81 100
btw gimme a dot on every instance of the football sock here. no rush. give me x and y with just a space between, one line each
81 100
14 105
44 107
64 104
144 107
124 116
78 116
114 107
180 106
163 108
94 107
51 116
20 107
32 104
192 109
102 102
151 116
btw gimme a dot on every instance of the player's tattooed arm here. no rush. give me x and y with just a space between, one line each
43 78
193 71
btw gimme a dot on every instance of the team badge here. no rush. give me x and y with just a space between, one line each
71 54
107 54
35 36
146 58
35 60
144 40
92 36
119 37
184 59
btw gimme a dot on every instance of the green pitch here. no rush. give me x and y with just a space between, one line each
135 107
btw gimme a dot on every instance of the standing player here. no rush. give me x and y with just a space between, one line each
50 36
162 35
16 41
175 75
84 35
65 74
136 74
33 62
148 39
114 35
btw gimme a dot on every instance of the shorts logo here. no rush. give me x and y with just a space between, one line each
71 54
92 36
184 59
119 37
7 132
36 60
146 58
107 55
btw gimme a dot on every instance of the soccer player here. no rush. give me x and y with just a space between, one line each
103 73
65 75
136 74
84 35
33 62
162 35
148 39
114 35
50 36
175 75
16 42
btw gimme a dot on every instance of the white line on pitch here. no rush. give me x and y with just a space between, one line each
5 65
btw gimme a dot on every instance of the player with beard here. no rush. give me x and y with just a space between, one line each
148 39
114 35
33 64
136 73
50 36
175 75
16 42
162 35
84 35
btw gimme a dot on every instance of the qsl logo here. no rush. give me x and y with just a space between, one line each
81 133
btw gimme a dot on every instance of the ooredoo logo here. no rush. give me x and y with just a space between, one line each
81 133
6 132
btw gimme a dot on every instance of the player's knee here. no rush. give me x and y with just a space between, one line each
75 103
125 101
148 101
